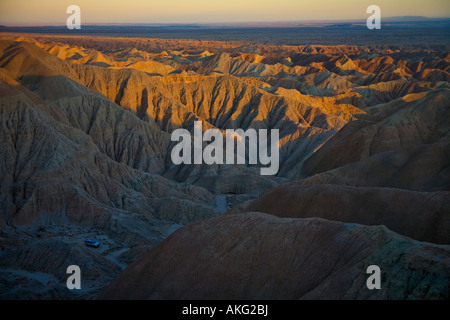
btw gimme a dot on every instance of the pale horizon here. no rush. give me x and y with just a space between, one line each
53 13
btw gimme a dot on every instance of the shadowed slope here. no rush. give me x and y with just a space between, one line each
257 256
422 216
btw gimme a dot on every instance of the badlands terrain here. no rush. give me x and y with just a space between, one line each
364 179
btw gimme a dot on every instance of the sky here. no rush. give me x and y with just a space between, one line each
53 12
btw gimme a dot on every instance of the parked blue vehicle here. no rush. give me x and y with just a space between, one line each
92 243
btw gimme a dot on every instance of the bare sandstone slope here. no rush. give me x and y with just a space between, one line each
424 216
258 256
225 102
117 133
424 167
37 146
401 124
73 166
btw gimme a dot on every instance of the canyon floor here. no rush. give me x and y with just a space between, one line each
364 179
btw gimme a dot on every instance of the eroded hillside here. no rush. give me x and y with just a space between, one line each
85 132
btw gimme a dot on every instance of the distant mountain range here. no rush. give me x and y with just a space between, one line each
294 23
